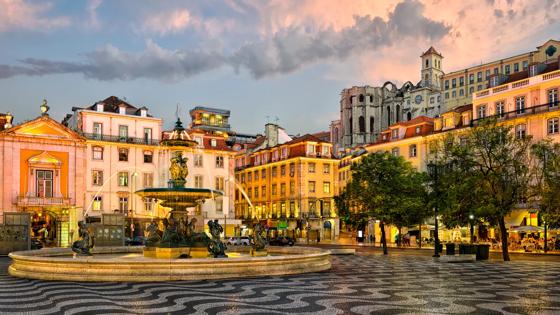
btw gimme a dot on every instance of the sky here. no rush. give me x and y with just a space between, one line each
282 61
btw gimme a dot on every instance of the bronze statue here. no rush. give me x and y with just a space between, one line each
82 247
178 169
216 247
153 237
170 236
259 242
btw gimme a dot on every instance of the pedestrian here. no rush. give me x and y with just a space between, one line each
371 238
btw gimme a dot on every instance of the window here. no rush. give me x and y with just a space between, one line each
461 92
447 84
199 141
325 150
219 161
500 108
311 149
553 97
326 168
282 189
97 130
454 94
292 187
123 204
454 83
461 81
198 181
520 131
273 192
471 78
553 126
123 155
149 204
97 153
446 95
395 151
123 132
263 191
249 176
471 90
432 100
256 175
198 160
412 150
220 183
213 143
496 71
508 69
220 204
250 192
311 185
97 178
525 64
97 203
147 135
311 167
520 104
148 156
263 174
256 192
479 76
292 169
283 170
417 130
284 152
273 171
327 187
516 67
394 133
479 87
44 182
123 179
487 73
481 110
148 180
533 70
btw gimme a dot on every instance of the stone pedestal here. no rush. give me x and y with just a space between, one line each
175 252
259 253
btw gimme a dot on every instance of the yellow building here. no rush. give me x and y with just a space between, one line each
460 85
290 187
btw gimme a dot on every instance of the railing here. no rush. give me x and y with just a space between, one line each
131 140
518 84
548 107
43 201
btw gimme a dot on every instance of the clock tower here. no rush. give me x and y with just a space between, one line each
431 71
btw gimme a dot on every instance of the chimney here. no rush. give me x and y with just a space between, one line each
271 134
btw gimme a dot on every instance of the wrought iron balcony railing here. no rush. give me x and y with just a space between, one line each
131 140
43 201
548 107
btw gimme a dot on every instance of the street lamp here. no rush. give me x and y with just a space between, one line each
471 218
433 172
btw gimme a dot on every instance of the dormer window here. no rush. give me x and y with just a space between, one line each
384 137
143 112
395 133
325 150
418 129
310 149
494 81
533 70
99 107
122 110
213 143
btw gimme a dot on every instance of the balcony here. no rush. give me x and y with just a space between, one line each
130 140
22 201
517 84
548 107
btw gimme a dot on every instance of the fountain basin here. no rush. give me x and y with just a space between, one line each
127 264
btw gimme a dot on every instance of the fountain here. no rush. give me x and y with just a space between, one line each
182 251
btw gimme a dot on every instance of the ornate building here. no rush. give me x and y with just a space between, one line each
365 110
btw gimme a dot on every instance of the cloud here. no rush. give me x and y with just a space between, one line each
168 22
285 51
91 9
19 14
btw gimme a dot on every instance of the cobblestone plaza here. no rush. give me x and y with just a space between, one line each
363 284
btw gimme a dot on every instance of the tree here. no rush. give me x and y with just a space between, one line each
496 164
345 203
547 181
389 189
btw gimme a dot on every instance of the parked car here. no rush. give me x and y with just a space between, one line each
282 241
135 241
238 241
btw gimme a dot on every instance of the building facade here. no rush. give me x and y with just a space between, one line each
41 173
289 187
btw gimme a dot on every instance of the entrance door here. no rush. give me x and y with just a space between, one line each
327 230
44 186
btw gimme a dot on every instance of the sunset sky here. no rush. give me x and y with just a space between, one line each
286 58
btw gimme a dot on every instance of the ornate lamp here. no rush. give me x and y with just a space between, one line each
44 108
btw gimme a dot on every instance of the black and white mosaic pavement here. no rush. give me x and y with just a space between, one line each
365 284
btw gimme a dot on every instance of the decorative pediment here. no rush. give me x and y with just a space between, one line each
43 126
44 158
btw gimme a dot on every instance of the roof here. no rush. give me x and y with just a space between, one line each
459 109
414 121
549 67
431 50
323 135
112 104
224 112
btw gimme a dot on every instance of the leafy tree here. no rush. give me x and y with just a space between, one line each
347 208
389 189
547 179
496 166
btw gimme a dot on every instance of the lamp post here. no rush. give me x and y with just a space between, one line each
433 172
134 174
471 218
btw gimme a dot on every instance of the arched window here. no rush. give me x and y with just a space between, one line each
408 116
388 116
371 121
361 98
335 135
362 123
398 113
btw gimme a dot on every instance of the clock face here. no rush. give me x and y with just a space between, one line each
418 99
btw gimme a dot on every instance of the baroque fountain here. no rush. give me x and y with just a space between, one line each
182 251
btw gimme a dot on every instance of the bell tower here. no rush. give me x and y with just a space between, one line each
431 70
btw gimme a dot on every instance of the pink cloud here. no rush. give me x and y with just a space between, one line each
19 14
168 22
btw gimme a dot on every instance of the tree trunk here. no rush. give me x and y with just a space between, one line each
383 238
504 236
399 240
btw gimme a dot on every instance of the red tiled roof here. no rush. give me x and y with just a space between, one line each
414 121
